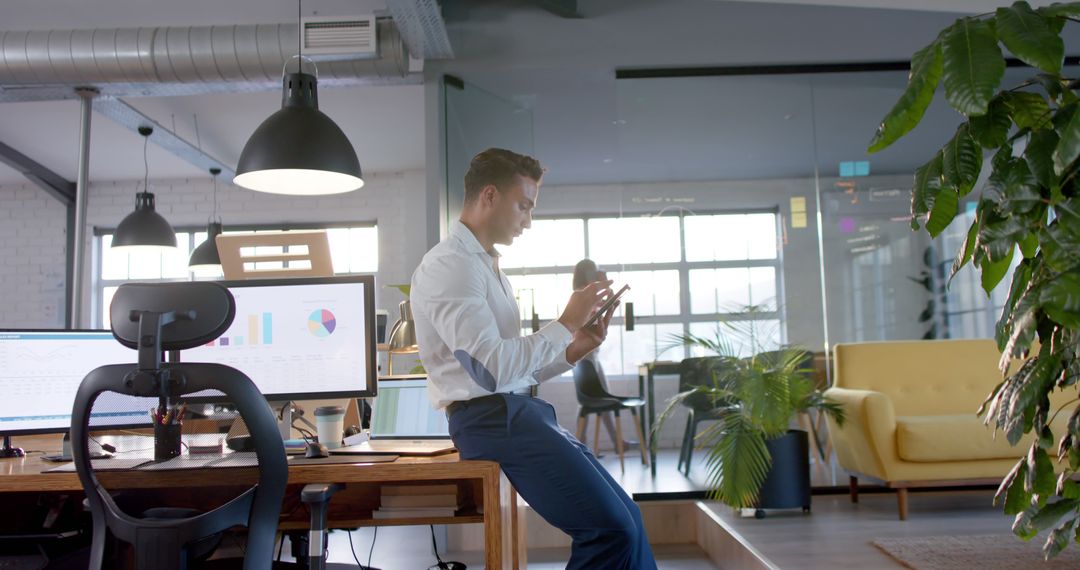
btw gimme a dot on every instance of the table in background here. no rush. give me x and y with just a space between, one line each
646 380
489 497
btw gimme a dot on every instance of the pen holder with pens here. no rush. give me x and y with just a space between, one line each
167 428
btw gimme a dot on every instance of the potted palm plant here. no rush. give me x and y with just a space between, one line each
752 457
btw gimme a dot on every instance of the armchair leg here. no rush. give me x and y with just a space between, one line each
582 425
902 502
682 448
853 488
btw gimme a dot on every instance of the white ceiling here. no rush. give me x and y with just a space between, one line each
588 127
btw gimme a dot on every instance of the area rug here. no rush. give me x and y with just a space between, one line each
982 551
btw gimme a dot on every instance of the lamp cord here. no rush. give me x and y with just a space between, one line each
146 164
299 37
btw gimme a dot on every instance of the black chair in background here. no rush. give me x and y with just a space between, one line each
695 372
594 399
153 318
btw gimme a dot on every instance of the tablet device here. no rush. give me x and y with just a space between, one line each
607 306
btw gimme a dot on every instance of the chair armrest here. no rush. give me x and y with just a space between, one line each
319 492
867 442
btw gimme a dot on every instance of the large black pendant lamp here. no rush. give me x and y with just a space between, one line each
144 228
205 258
299 150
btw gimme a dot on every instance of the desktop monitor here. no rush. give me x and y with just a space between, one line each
300 338
40 372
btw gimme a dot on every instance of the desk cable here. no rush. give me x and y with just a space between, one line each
372 550
442 565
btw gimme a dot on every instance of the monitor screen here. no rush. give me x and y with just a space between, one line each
300 338
403 410
40 371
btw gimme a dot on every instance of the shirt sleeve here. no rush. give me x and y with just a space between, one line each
455 303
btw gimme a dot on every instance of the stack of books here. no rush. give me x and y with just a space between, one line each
417 501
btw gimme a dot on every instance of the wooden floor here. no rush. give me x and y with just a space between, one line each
838 534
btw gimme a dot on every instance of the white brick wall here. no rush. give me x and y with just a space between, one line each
33 231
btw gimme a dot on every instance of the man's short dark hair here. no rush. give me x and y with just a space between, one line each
498 167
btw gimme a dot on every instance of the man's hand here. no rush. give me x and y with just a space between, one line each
587 339
582 304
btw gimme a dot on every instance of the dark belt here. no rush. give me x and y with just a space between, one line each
454 407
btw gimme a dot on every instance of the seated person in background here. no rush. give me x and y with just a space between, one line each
586 272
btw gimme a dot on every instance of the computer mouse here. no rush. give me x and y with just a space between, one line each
241 443
316 450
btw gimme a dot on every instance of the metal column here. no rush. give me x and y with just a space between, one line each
86 97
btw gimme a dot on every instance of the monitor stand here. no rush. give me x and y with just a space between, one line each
8 452
290 412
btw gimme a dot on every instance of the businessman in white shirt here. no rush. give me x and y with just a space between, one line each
469 332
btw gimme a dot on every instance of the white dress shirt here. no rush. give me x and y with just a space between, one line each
468 326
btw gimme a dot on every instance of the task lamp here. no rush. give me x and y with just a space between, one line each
144 228
402 336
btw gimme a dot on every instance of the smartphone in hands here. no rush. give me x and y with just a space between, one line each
607 306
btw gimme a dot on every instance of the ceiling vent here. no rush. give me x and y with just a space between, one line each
340 37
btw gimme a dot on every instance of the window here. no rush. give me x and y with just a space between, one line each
353 249
687 273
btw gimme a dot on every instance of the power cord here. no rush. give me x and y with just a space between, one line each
352 549
452 565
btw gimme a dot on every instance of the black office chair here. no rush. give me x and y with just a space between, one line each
695 372
594 399
153 318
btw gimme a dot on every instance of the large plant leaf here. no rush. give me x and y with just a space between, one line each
1009 322
945 206
1065 10
1039 155
992 129
1060 298
928 182
737 460
1028 36
964 255
994 271
1058 539
1049 515
1060 247
1068 147
1028 110
972 65
961 161
909 109
1012 487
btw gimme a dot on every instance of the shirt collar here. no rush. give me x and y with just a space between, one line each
467 238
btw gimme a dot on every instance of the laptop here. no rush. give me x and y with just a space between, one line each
403 423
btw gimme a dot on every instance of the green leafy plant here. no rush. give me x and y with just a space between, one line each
755 399
1030 203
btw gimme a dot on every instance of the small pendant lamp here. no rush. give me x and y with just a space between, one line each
205 258
144 228
299 150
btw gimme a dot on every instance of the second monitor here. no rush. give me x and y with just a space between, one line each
301 338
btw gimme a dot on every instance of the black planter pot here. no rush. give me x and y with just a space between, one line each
787 485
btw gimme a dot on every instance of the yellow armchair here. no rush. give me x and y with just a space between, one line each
911 415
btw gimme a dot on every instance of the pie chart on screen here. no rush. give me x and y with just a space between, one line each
321 323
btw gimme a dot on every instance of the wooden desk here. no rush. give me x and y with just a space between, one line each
646 380
481 485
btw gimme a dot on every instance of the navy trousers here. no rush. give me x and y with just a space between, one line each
557 475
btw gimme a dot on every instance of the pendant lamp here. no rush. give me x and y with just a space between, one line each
299 150
144 228
205 258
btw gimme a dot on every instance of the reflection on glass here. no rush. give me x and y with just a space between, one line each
651 292
730 237
547 293
732 290
743 338
634 240
548 243
624 350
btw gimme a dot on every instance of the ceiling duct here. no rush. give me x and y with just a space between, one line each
182 60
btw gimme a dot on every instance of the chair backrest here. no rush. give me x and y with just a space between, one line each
694 372
589 384
153 318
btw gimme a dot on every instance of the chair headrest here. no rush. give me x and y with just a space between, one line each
213 306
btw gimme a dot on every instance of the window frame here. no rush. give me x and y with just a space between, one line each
684 317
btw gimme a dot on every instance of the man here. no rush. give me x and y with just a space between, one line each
469 333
